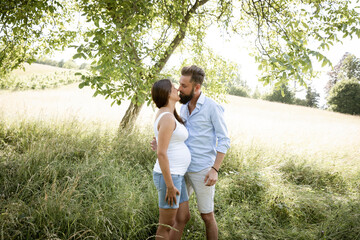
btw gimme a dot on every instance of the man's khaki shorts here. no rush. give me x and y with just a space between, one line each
204 194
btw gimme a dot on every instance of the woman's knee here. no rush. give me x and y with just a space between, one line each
183 218
166 227
167 222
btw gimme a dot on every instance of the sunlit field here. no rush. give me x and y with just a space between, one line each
249 120
67 173
37 68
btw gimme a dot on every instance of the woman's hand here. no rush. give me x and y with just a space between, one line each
170 196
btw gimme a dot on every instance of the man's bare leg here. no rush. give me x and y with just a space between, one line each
211 226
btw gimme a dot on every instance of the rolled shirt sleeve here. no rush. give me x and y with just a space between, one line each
221 132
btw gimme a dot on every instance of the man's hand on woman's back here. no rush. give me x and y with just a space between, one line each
153 144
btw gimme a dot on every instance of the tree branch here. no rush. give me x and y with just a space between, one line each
179 36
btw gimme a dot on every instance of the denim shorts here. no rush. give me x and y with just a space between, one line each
179 183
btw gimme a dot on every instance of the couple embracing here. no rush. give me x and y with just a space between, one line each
190 149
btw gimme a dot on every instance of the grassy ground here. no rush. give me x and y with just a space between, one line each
70 180
291 173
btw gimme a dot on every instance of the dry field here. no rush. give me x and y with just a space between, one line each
276 125
36 68
296 127
249 120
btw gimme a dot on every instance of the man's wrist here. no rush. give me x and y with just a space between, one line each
215 169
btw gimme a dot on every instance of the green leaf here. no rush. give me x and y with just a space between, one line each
305 25
324 63
81 85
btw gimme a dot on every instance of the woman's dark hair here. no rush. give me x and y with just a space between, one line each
160 93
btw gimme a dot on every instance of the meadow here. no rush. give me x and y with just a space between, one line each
67 173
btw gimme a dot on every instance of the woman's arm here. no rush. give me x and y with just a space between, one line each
166 127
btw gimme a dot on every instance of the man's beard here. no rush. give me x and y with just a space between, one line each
186 98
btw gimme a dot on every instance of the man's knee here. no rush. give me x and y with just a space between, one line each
208 217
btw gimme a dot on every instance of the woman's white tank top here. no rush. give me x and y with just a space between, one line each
178 153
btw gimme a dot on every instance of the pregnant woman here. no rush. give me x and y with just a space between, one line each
173 157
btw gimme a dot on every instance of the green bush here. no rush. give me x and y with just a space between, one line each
238 91
344 97
276 95
300 102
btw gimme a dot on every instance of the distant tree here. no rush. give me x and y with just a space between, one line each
347 68
238 81
70 64
256 94
47 61
238 87
61 63
84 66
344 97
238 91
300 102
312 98
282 94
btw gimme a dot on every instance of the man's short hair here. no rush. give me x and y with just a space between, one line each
196 73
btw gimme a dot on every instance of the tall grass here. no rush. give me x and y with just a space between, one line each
70 180
67 181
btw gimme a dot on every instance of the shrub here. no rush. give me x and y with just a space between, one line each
256 94
300 102
276 95
344 97
238 91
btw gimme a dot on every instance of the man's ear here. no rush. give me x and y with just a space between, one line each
197 87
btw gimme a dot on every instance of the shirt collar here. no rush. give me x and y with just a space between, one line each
201 99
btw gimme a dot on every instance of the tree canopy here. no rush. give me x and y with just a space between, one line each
344 97
130 42
29 28
347 68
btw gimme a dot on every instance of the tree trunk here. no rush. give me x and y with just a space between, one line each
129 119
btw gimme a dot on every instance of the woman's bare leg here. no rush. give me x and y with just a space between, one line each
182 217
167 217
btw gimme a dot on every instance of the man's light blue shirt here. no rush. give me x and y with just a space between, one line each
207 132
